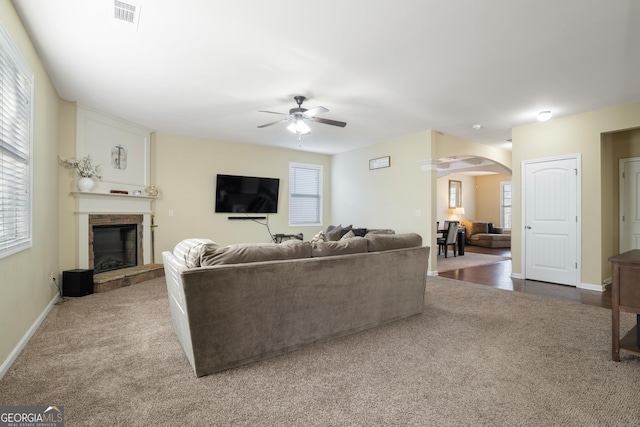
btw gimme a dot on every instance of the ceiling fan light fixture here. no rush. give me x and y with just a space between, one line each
299 126
543 116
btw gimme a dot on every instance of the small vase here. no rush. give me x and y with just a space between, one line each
86 184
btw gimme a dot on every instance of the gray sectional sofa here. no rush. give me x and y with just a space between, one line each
483 233
239 304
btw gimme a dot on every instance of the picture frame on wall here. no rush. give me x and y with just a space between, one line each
380 162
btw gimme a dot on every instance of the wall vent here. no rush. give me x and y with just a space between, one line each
126 12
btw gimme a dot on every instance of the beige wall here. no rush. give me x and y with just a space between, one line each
488 198
397 197
25 288
184 170
469 200
578 134
67 223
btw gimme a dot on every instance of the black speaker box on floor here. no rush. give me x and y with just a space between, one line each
77 283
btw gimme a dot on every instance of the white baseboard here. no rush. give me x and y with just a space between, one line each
432 273
517 276
591 287
4 368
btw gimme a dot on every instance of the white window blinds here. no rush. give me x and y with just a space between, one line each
305 194
16 81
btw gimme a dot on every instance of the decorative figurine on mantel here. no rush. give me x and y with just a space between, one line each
85 169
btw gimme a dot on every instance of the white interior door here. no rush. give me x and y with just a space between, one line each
629 204
551 221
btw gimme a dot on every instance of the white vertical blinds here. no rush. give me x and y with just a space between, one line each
16 81
305 194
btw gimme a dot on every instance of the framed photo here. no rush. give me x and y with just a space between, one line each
380 162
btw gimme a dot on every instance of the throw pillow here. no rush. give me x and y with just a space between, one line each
360 232
190 250
334 234
320 237
480 227
345 230
490 228
349 235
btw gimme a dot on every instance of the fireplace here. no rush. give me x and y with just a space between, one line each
115 242
114 247
98 209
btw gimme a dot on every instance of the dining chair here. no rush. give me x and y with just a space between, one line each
450 239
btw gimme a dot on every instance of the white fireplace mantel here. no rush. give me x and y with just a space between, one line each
93 203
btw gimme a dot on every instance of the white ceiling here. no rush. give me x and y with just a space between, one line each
205 68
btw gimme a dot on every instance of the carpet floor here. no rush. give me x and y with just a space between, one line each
469 259
476 356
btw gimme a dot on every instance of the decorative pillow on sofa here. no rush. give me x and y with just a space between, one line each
256 252
386 242
320 237
190 250
353 245
480 227
335 233
360 232
350 235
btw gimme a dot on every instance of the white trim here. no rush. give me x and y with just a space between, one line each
4 368
517 276
591 287
578 158
432 273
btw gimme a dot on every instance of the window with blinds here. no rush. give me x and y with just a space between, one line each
16 83
305 194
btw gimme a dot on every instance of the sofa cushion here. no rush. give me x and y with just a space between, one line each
380 231
190 250
256 252
386 242
354 245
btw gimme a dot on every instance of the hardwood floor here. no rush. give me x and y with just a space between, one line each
498 275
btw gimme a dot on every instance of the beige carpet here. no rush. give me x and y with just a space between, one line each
476 356
469 259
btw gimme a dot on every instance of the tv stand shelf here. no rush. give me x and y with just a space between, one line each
625 294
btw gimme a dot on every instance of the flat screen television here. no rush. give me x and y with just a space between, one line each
246 194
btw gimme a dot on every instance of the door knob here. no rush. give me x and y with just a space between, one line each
528 227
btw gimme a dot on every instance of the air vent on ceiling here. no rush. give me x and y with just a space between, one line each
126 12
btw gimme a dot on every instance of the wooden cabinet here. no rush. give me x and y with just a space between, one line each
625 294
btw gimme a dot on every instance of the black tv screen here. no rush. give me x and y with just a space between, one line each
246 194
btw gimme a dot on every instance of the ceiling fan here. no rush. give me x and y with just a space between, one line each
297 117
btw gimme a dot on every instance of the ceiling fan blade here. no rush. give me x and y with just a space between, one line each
315 111
274 123
272 112
328 122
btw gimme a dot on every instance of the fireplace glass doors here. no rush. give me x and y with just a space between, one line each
114 247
